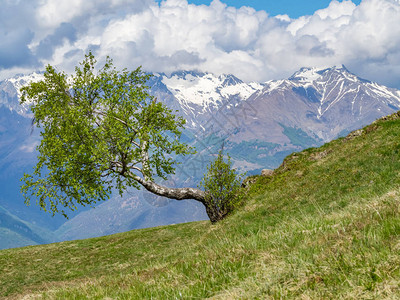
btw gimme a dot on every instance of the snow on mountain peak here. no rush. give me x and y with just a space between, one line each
204 89
11 92
307 75
20 80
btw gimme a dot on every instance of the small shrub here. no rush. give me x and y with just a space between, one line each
222 186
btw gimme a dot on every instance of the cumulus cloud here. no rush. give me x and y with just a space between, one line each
216 38
15 34
65 32
52 13
14 50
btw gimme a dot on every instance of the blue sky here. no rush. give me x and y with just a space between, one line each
293 8
218 36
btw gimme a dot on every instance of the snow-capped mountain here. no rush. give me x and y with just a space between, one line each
207 90
324 103
10 92
197 95
330 86
259 124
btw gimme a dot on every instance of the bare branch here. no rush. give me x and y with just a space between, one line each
136 168
118 119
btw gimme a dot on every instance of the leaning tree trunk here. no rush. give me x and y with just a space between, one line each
181 194
173 193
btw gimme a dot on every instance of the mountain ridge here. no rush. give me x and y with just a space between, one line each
205 89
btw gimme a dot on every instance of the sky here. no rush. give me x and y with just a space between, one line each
260 41
292 8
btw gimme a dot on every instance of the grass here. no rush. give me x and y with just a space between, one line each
326 225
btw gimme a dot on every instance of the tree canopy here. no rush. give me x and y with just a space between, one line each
100 130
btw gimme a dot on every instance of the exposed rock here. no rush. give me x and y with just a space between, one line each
353 135
267 172
391 117
284 166
371 128
248 181
319 155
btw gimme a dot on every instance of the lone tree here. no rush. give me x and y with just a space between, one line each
101 130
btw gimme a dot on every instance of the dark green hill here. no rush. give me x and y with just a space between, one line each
325 225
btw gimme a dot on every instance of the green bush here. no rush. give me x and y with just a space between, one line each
222 186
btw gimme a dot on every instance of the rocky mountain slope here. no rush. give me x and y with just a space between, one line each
258 123
324 103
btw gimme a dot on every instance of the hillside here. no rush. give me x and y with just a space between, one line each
325 225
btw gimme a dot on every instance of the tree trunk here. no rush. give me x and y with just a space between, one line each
213 213
180 194
172 193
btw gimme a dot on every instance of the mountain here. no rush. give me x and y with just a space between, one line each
10 92
198 95
259 124
324 225
325 103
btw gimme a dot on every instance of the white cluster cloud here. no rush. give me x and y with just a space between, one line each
216 38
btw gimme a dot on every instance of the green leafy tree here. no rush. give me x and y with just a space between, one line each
100 130
222 188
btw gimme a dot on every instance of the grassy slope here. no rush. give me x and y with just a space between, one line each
326 225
